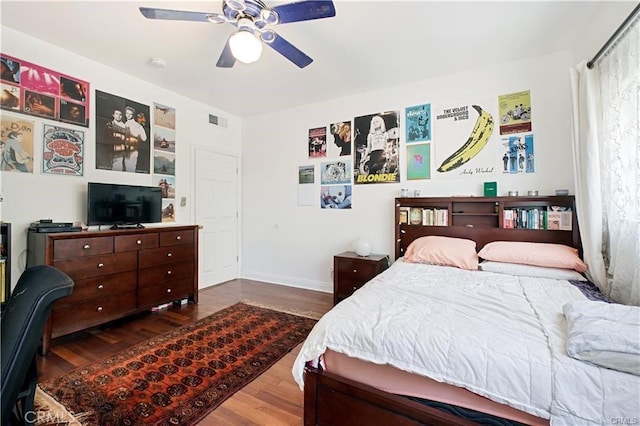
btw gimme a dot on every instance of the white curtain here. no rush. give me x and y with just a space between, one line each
606 148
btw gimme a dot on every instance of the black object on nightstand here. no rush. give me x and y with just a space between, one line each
352 271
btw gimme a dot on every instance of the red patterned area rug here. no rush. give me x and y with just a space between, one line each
181 376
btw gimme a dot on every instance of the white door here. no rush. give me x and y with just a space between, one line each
216 210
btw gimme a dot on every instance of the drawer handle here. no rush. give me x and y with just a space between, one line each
86 247
178 238
100 286
169 255
355 288
355 270
169 272
168 290
138 242
100 265
99 309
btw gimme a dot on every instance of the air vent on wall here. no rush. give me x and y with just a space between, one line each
218 121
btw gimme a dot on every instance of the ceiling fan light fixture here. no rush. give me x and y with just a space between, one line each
245 47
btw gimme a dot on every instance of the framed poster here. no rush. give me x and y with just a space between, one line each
30 89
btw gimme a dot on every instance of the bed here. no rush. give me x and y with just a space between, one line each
432 344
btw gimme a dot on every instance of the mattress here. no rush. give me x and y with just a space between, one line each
395 381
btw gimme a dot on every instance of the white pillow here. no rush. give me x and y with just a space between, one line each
606 334
522 270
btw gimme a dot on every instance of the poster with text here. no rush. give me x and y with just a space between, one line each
34 90
318 142
16 144
335 197
515 112
340 142
335 172
122 134
419 161
376 148
517 154
63 151
464 146
417 123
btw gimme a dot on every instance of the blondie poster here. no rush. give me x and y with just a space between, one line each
123 140
464 146
376 148
30 89
63 151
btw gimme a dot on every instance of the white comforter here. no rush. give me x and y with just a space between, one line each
497 335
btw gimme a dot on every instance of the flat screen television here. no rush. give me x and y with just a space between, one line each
123 205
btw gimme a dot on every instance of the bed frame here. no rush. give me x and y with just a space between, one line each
330 399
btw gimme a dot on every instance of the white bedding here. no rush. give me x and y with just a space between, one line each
499 336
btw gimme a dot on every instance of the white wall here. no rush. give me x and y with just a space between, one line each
30 197
288 244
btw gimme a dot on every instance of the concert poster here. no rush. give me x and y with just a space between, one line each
318 142
30 89
418 123
63 151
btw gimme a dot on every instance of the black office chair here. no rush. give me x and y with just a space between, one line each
22 325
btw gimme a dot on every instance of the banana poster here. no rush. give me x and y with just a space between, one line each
377 140
464 145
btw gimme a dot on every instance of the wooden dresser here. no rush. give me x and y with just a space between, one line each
116 273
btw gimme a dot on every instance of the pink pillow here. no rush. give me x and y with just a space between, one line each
538 254
447 251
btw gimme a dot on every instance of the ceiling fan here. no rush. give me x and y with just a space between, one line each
253 20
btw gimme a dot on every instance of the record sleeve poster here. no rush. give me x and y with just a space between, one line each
464 146
376 149
517 154
30 89
63 151
419 161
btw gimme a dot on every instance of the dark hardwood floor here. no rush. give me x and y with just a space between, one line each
272 399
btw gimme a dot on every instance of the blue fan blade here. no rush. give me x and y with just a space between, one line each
226 59
175 15
290 52
304 11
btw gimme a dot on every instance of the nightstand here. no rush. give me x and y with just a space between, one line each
350 272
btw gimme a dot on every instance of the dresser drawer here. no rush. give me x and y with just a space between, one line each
163 255
175 238
165 272
82 247
92 312
99 287
135 242
95 266
356 270
163 293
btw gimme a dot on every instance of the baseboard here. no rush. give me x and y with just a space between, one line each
323 287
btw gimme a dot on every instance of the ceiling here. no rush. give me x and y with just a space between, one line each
368 45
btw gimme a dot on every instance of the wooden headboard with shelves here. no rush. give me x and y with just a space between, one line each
482 219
